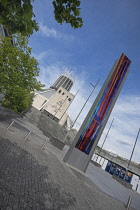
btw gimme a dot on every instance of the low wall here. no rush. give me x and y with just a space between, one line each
123 182
95 163
7 113
60 145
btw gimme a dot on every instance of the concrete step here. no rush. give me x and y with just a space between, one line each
48 126
28 125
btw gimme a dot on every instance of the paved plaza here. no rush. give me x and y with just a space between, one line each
32 178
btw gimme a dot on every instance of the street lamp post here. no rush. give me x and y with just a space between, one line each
105 140
133 148
94 86
132 154
137 185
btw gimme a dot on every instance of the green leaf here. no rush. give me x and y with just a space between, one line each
3 2
18 72
17 16
68 11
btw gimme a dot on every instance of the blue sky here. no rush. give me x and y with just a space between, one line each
110 28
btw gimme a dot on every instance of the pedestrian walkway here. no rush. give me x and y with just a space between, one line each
32 178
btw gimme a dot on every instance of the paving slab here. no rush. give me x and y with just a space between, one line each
32 178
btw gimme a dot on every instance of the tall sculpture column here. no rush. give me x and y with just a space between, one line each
84 144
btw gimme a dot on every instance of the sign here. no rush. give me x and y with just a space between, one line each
119 171
128 176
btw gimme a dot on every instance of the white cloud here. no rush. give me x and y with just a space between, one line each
49 74
126 114
51 32
125 142
40 56
128 105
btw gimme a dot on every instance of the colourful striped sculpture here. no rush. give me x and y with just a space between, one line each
86 140
98 116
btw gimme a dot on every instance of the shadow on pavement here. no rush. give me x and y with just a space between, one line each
25 184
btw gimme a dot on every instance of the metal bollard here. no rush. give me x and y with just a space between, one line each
44 144
128 202
27 135
10 125
137 187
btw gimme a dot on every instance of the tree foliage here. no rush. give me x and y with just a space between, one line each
68 11
17 16
18 72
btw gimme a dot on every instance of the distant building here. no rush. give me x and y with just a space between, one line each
64 81
56 100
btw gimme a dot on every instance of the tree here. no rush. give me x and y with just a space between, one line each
17 15
18 72
68 11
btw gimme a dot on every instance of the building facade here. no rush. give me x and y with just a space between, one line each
56 99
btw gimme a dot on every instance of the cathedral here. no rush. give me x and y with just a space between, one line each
56 100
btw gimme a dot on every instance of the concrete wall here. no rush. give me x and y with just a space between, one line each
56 105
123 182
38 101
59 103
63 119
70 136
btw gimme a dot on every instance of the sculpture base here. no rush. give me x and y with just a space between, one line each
77 159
